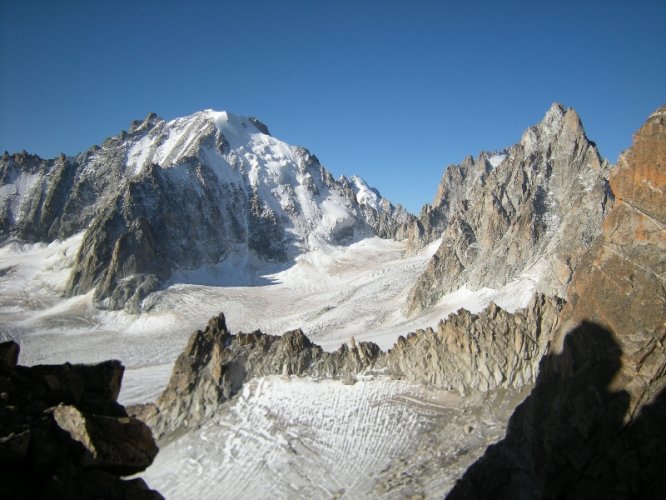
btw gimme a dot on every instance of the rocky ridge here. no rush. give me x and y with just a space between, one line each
179 195
467 352
479 352
593 425
530 209
63 435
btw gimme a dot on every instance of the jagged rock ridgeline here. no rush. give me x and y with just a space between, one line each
63 435
479 352
594 424
468 352
182 194
215 364
532 208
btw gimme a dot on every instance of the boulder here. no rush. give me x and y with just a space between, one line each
9 353
64 435
122 445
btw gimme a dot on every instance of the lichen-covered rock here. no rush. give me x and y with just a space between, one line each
63 435
534 207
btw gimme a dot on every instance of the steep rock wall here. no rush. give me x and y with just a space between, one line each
594 424
533 208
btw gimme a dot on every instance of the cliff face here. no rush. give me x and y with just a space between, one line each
593 425
63 435
622 283
533 208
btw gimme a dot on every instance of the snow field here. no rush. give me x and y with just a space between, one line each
296 438
332 294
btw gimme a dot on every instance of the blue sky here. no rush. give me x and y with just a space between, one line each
390 90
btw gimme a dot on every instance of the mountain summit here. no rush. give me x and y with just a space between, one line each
527 212
181 194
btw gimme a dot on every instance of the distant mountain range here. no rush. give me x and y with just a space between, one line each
191 192
547 214
182 194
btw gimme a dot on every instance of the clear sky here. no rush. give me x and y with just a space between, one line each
390 90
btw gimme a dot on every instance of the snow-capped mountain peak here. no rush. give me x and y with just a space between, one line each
549 192
366 195
184 193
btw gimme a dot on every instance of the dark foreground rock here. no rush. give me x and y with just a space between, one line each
593 427
63 434
468 352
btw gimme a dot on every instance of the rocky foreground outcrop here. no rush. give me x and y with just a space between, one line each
467 352
593 427
63 435
532 208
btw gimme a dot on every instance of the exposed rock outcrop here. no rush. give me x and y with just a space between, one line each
179 195
594 423
479 352
468 352
63 435
215 364
534 207
622 283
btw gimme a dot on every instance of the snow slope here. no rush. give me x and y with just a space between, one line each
168 197
296 438
332 294
281 437
286 178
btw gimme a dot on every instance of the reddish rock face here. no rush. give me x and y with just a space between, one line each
640 176
622 282
593 425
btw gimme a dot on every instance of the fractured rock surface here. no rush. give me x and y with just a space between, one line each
594 424
179 195
65 436
533 208
479 352
490 350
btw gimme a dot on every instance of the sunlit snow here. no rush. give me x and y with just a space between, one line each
282 437
332 294
296 438
496 160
